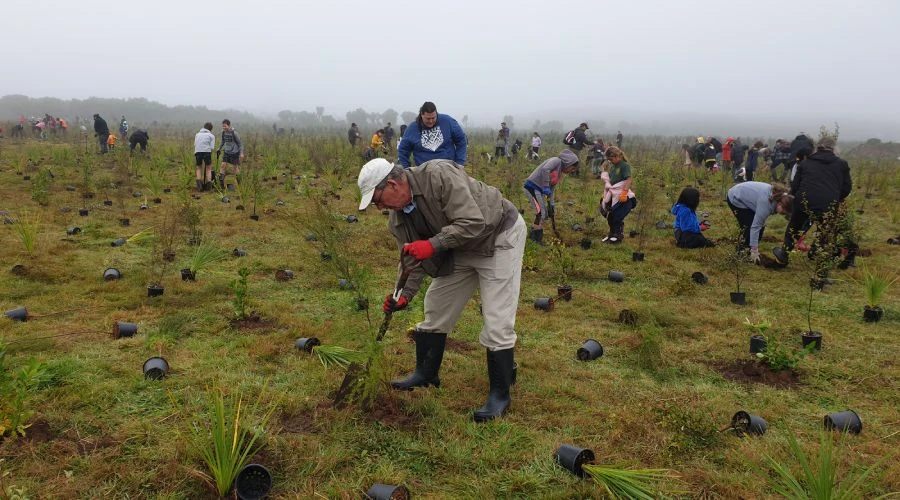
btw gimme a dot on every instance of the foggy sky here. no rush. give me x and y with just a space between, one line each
481 58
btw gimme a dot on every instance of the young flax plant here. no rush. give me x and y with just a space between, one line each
230 442
627 483
27 229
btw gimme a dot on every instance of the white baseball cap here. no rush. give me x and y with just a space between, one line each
370 176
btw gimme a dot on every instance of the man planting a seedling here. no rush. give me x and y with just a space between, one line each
138 137
432 136
820 185
577 140
466 236
542 183
233 152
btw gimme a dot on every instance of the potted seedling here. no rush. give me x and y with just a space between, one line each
618 482
565 265
153 183
644 211
758 339
822 257
737 261
204 256
875 285
104 184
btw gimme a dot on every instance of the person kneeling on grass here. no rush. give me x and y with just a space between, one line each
542 182
688 230
466 235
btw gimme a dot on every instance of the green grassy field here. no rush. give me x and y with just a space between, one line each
662 395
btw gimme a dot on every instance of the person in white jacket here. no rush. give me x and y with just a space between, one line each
204 143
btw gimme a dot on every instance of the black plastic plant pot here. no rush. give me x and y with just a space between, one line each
284 275
814 338
758 344
388 212
157 200
380 491
123 329
156 368
739 298
188 275
18 314
107 203
155 290
311 237
325 256
633 233
588 220
168 255
345 284
83 212
125 222
661 225
26 177
226 199
111 274
362 304
253 482
564 292
72 231
352 218
571 458
118 242
699 278
744 423
237 252
585 243
239 207
229 187
167 190
544 303
616 276
590 350
576 227
137 194
307 343
144 206
637 256
872 314
844 421
254 217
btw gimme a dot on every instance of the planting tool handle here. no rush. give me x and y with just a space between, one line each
398 290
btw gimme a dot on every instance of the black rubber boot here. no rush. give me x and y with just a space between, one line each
500 372
199 185
429 354
537 235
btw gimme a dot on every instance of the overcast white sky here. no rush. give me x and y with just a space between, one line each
478 57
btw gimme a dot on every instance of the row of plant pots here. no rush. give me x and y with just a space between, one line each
758 343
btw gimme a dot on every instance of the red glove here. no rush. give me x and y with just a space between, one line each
704 226
391 305
623 196
420 249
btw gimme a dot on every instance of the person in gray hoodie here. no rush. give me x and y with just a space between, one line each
752 203
233 149
542 183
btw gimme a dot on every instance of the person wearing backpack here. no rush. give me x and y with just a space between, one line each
576 139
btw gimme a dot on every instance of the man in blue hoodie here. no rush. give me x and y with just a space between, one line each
432 136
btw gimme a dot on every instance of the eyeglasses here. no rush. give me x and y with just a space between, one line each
377 196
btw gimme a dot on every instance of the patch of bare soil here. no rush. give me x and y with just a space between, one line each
392 412
39 432
750 371
252 322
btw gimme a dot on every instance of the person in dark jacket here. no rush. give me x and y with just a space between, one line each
580 142
820 185
139 136
101 130
353 134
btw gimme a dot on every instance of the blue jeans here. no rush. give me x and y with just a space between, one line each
103 147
